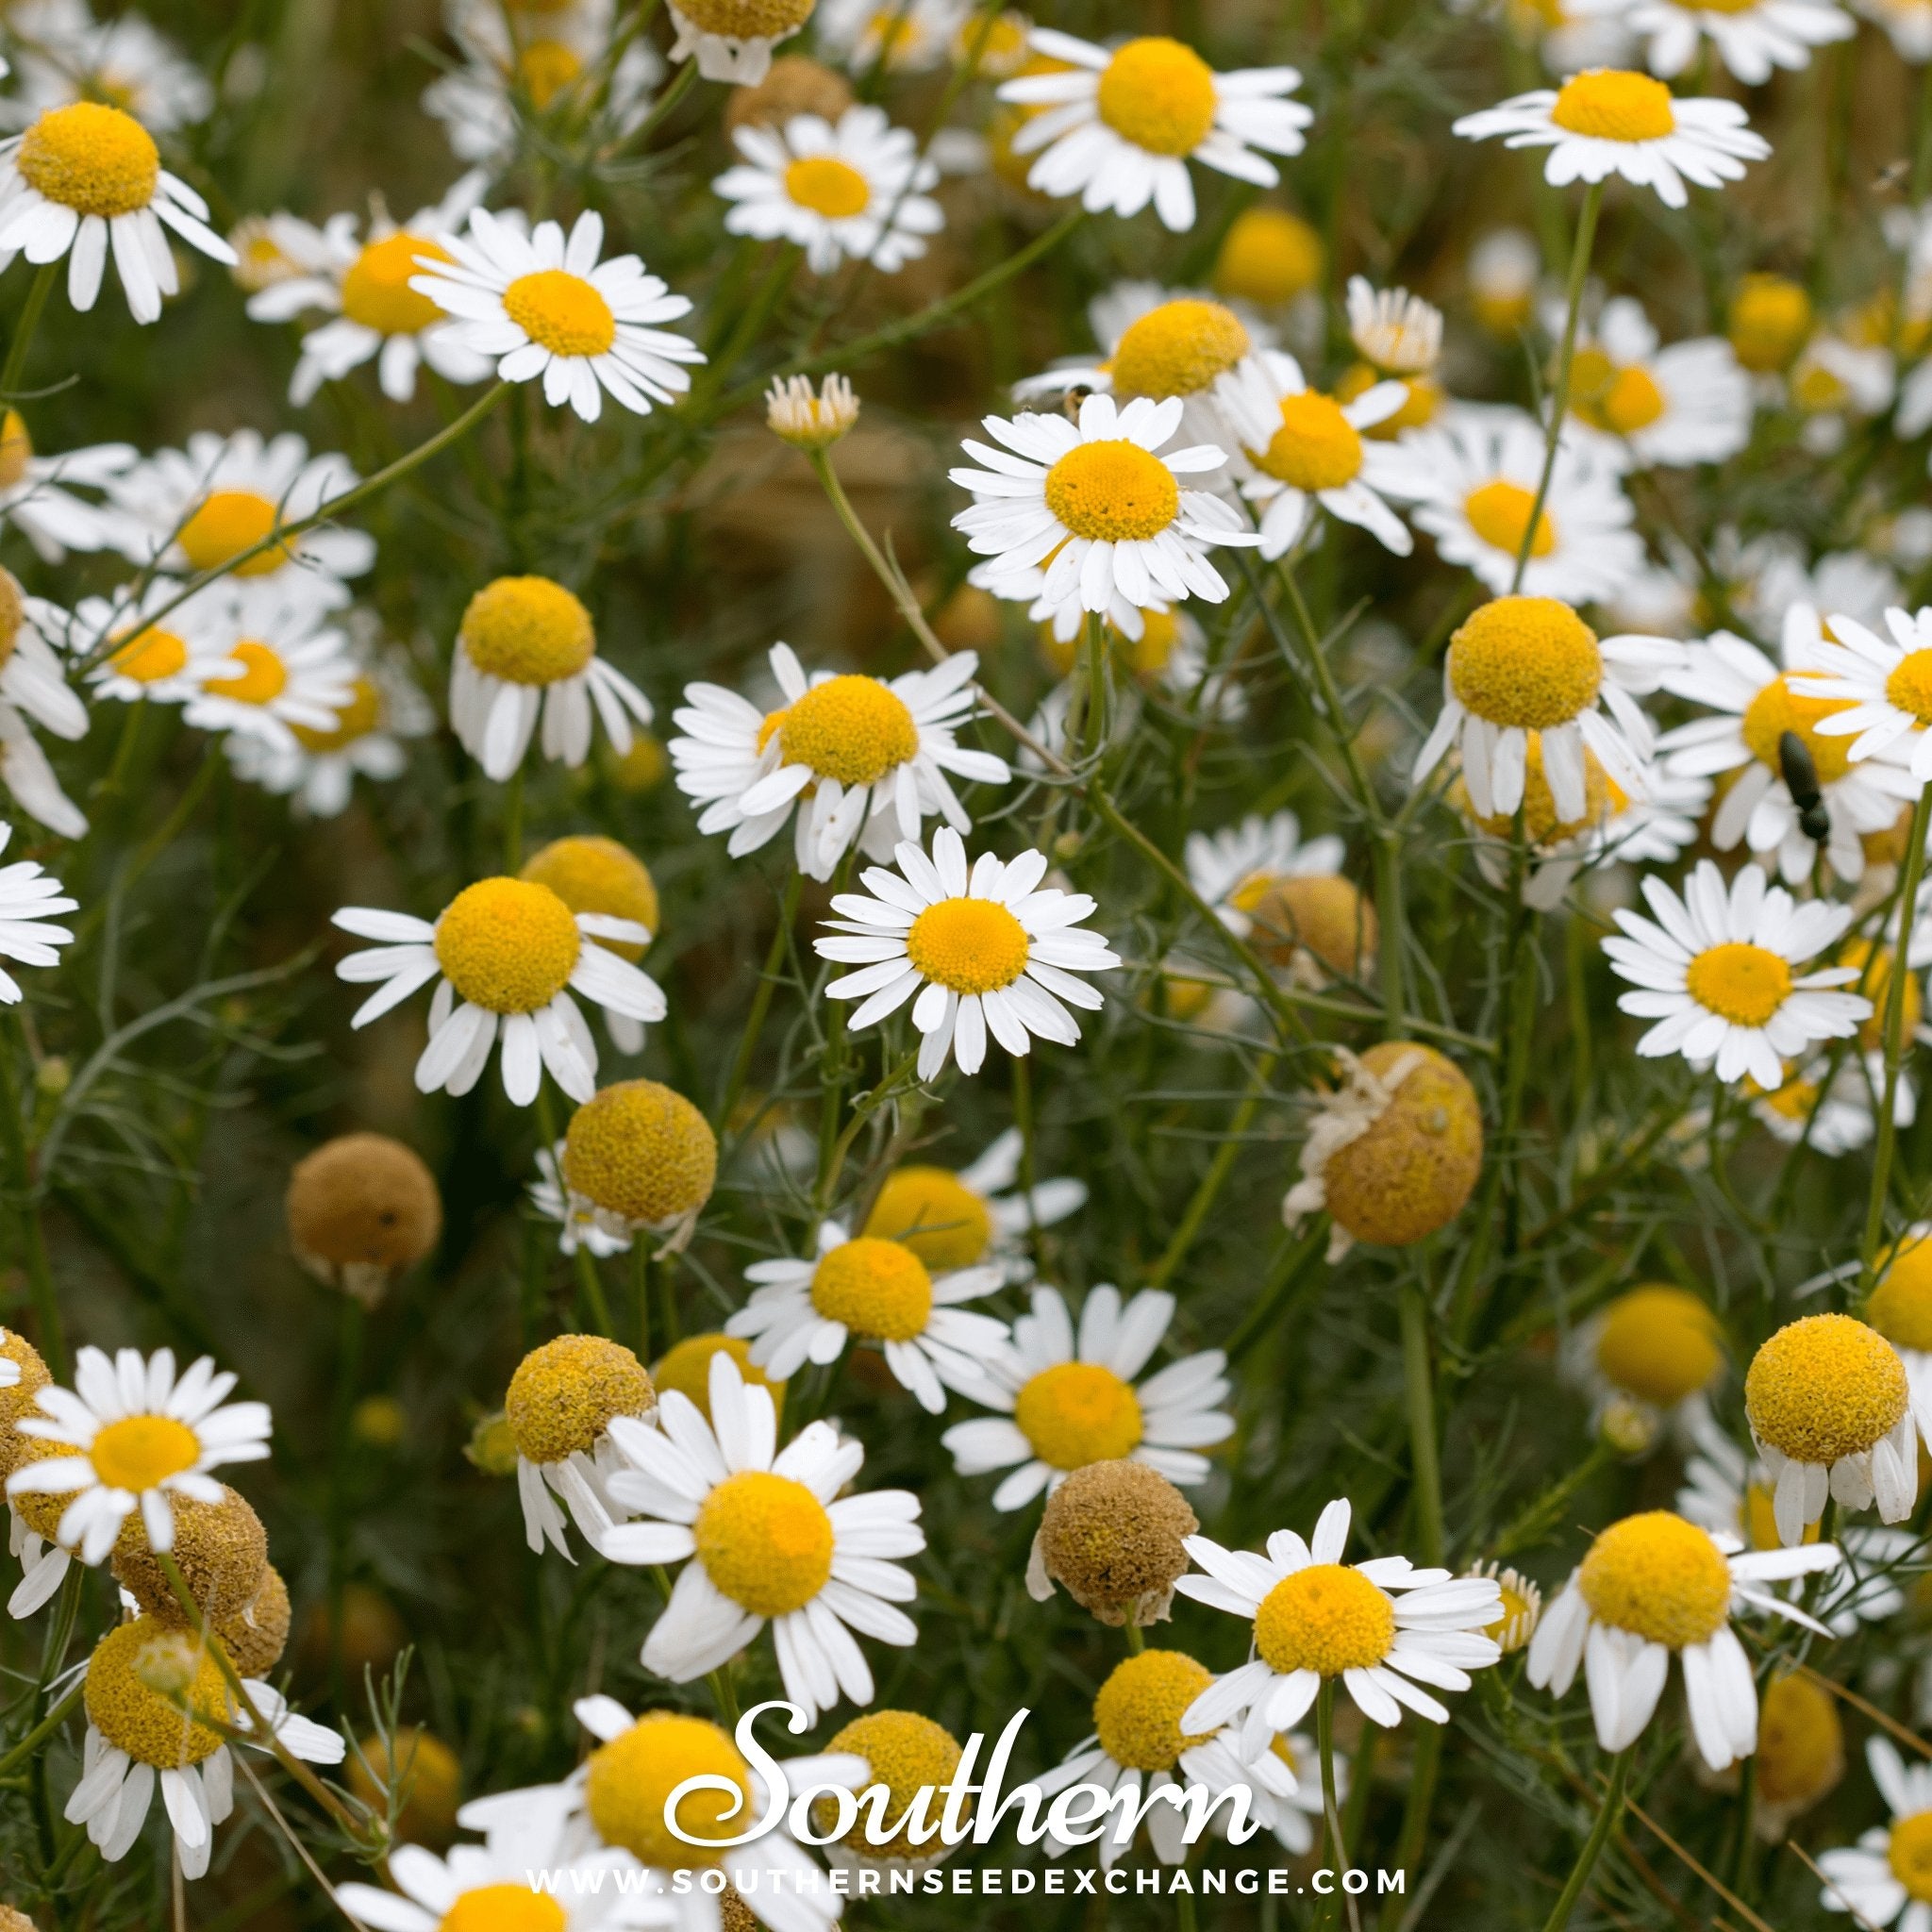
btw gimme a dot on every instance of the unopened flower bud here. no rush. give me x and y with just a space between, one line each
808 420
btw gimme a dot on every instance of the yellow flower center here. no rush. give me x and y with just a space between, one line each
357 719
1909 687
1659 1576
765 1541
934 1214
1659 1343
96 161
1177 349
140 1451
850 729
1746 984
1607 104
1317 447
1760 1518
1159 94
1529 662
1796 1100
262 678
1113 492
376 290
744 20
1269 256
687 1368
143 1723
562 312
1508 1631
907 1753
1817 387
877 1287
1770 316
225 525
149 656
1824 1387
1622 401
1901 1304
546 68
1146 657
528 630
628 1783
643 1152
1776 709
971 946
1076 1413
1909 1855
1327 1618
828 187
1801 1744
16 449
1424 398
1603 798
505 1907
565 1393
1498 512
1138 1712
508 946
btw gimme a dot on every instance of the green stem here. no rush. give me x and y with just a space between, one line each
15 367
1029 1166
760 1002
1216 1178
21 1752
1592 1846
1337 1857
1137 1641
513 824
39 1274
1419 1387
640 1292
1276 1293
1560 398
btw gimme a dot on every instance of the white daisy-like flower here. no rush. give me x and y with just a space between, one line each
894 36
854 190
861 761
1652 1356
30 899
37 492
1900 1308
526 649
1503 269
1766 576
1607 121
1297 447
1483 466
989 951
1655 1585
871 1289
764 1536
505 956
86 175
1156 645
1910 24
1118 128
292 669
1234 867
732 40
1829 1110
1529 664
365 284
197 508
1834 382
136 1737
1755 702
1097 499
65 54
167 663
135 1436
26 774
538 305
1720 970
34 691
1753 37
1690 403
1068 1400
1384 1628
1886 1879
1884 686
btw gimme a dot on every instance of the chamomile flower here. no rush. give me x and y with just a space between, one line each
1119 127
1235 869
1689 402
34 691
379 317
1910 24
65 54
37 492
1886 1879
1829 1110
764 1536
732 40
871 1289
1719 970
596 874
1519 665
527 649
1884 688
851 189
130 1435
1654 1349
896 36
167 663
1753 37
505 956
538 305
1655 1585
1829 1405
956 1220
197 508
1399 338
1066 1401
861 761
1557 848
137 1736
1754 702
30 899
1158 647
1099 501
1384 1628
285 661
85 174
1607 121
1298 447
1483 466
1503 269
986 952
905 1754
1900 1308
636 1156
